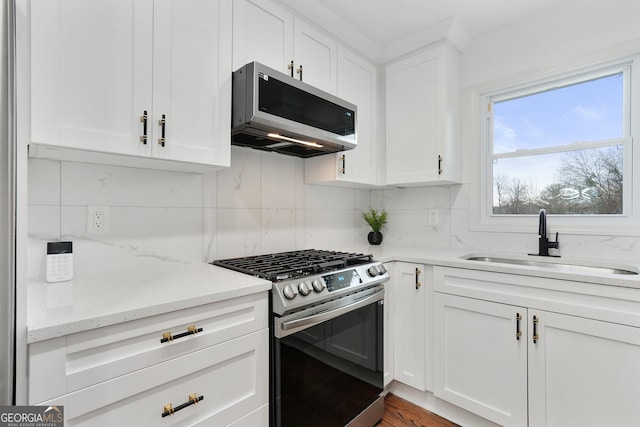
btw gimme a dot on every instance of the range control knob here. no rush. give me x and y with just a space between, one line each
382 269
373 271
305 288
290 291
318 285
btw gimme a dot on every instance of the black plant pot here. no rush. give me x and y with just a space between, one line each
374 237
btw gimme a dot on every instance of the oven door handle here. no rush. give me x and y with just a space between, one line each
292 326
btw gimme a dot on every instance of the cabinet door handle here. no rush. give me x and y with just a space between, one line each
536 337
439 165
518 331
290 67
418 284
143 118
191 330
343 169
299 71
168 409
163 126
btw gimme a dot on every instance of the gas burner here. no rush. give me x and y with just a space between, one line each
311 277
295 264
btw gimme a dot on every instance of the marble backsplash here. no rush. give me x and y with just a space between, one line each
259 205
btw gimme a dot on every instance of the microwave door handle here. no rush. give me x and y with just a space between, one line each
295 325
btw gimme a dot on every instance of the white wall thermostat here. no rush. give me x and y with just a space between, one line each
59 261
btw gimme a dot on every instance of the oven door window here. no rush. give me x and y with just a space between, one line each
327 374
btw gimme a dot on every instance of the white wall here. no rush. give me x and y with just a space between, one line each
577 33
259 205
574 34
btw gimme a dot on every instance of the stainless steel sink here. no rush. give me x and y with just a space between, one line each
556 263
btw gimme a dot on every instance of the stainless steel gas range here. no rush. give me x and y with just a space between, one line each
327 342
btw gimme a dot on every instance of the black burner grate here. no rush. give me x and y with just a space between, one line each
287 265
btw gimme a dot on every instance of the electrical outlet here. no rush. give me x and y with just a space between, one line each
97 219
433 216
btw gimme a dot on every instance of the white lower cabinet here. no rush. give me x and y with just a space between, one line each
232 378
583 372
480 364
411 324
124 375
531 357
387 331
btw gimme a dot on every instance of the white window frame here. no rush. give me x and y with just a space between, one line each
628 223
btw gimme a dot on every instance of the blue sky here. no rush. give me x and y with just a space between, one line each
584 112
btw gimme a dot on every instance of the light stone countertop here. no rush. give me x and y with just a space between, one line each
89 302
455 258
58 309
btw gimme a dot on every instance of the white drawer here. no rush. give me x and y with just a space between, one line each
232 377
66 364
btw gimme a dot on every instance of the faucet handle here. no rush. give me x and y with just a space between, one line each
556 244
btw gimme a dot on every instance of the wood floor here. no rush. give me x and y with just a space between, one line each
400 413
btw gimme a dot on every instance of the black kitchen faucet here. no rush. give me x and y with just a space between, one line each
543 242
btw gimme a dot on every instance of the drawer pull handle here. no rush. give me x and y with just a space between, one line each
191 330
168 409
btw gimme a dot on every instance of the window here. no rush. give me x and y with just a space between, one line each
562 145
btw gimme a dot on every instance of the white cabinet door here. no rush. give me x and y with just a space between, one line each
315 56
265 32
358 84
99 67
262 32
583 372
480 361
387 332
192 81
90 73
409 325
232 377
423 102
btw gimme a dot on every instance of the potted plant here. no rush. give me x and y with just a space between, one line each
376 220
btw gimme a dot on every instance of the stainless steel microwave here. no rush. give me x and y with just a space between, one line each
272 111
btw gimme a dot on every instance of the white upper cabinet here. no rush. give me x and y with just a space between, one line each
265 32
98 66
358 84
423 118
262 32
192 80
315 57
90 72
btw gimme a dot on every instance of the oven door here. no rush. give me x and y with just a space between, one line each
328 363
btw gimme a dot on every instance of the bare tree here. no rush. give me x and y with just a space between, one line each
588 182
518 196
596 177
500 184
